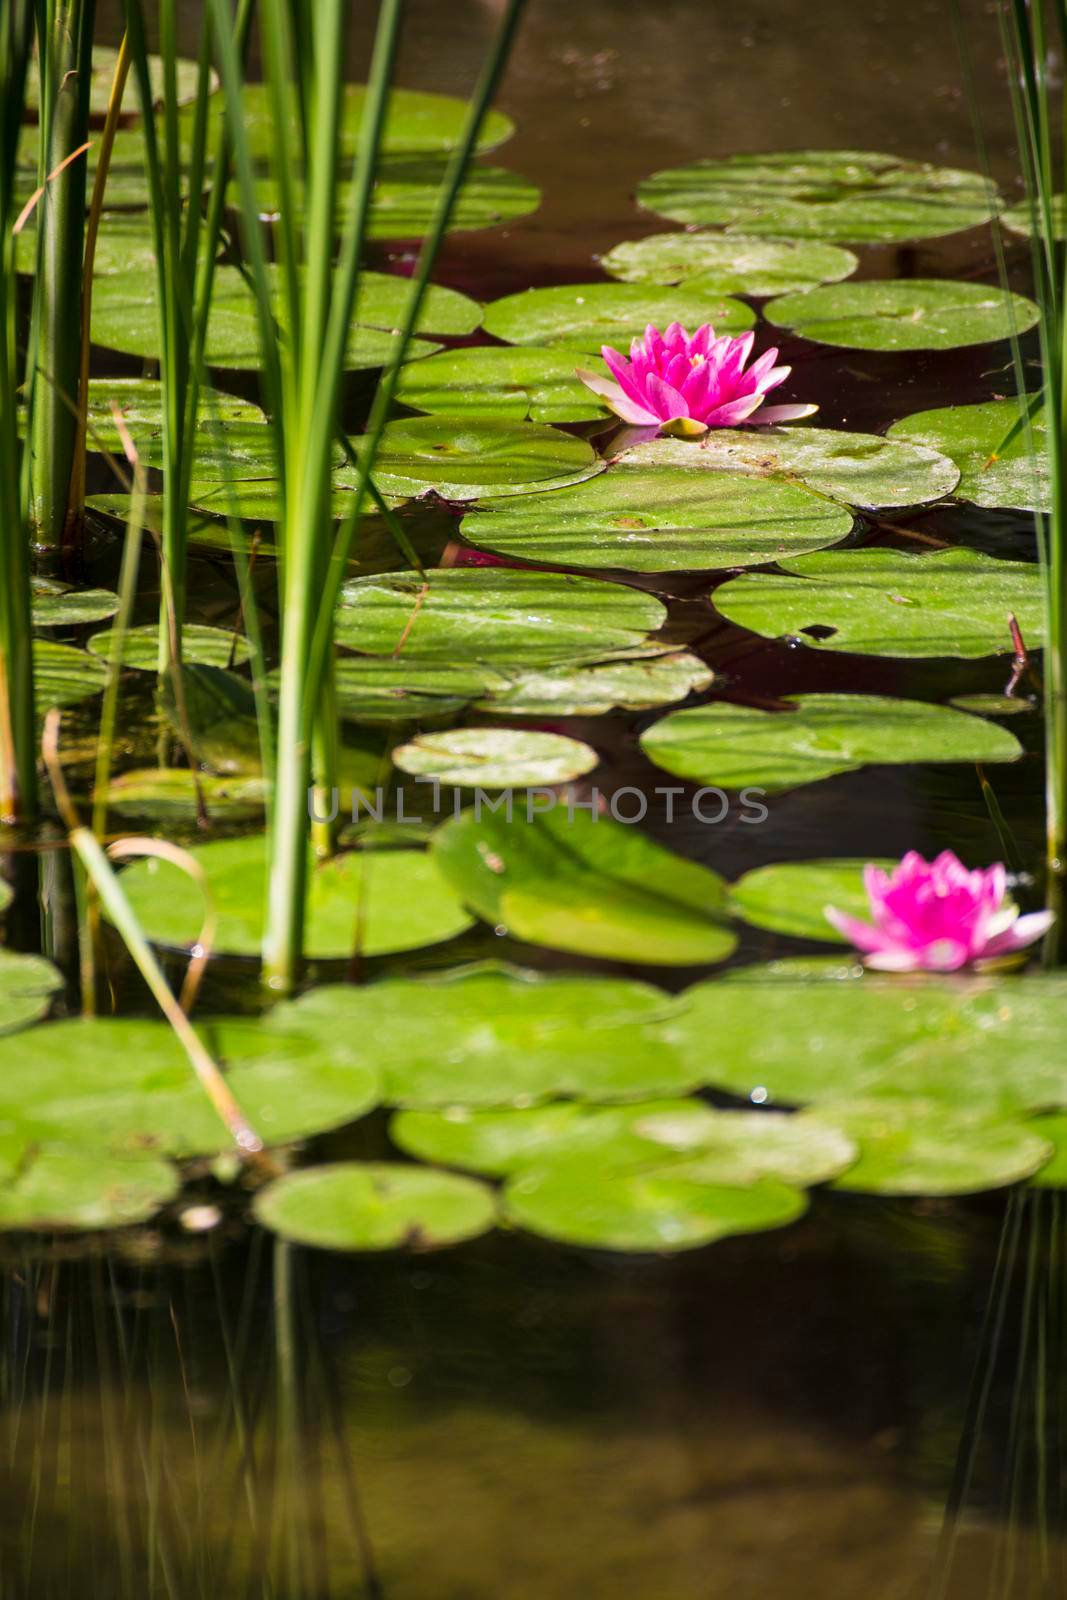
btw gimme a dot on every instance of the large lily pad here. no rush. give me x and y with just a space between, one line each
790 896
918 1147
729 264
62 675
467 460
386 900
584 316
125 242
488 1036
906 314
27 984
53 1187
499 381
645 1211
660 519
233 438
852 196
858 469
495 758
201 645
591 691
588 884
376 1205
885 603
496 616
380 689
815 737
101 76
992 473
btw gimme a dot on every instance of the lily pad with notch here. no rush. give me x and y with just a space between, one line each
995 469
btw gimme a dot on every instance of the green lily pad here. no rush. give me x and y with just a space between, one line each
653 1211
373 689
62 675
725 1147
918 1147
488 1036
592 691
101 76
907 314
494 616
817 736
570 881
376 1205
56 605
584 316
127 183
858 469
851 196
495 758
1052 1127
730 264
27 984
1020 218
390 899
201 646
954 602
501 382
991 473
790 896
58 1188
169 795
660 520
461 460
125 242
233 437
120 1085
262 500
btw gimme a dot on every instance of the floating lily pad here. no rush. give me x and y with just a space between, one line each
1052 1127
501 382
122 1085
201 645
467 460
659 520
584 316
858 469
125 242
387 899
56 605
373 689
233 437
852 196
907 314
169 795
27 984
495 758
592 691
494 616
652 1211
730 264
58 1188
790 896
992 473
920 1147
101 76
489 1036
815 737
588 884
62 675
262 500
127 181
1020 218
724 1147
954 602
375 1206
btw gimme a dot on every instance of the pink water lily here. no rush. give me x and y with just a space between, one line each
935 916
685 385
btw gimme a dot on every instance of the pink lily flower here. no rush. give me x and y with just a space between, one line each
682 385
935 916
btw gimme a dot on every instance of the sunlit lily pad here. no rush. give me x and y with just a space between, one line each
495 758
652 1211
55 1187
992 473
63 675
815 737
388 900
496 616
125 242
201 645
660 519
954 602
730 264
1020 218
375 1206
467 460
489 1036
501 382
56 605
261 500
127 183
233 437
591 691
919 1147
789 896
587 884
1052 1127
906 314
854 197
169 795
584 316
858 469
27 985
380 689
724 1147
102 73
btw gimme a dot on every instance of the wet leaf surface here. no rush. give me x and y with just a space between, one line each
909 314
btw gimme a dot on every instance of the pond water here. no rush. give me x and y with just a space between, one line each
781 1415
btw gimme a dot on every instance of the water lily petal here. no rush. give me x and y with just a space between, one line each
620 403
1023 931
772 414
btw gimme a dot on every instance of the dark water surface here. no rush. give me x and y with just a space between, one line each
215 1415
